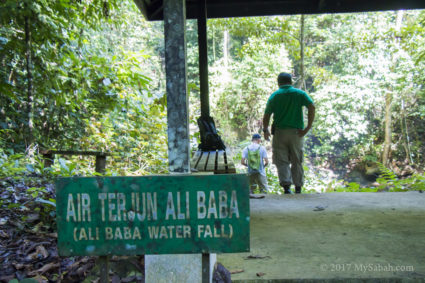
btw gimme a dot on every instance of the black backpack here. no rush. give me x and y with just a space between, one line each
210 140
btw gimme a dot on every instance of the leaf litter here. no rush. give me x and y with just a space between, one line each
28 236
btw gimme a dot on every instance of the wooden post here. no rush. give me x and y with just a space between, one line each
203 58
100 163
48 159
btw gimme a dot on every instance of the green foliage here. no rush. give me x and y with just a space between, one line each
351 61
386 174
388 183
417 182
88 75
91 86
11 164
41 77
241 86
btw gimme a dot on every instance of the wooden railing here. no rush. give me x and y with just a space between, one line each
49 157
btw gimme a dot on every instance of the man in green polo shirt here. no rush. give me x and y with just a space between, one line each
286 106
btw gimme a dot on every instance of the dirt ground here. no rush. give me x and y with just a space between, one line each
337 236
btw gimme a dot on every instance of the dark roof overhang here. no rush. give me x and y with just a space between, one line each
153 9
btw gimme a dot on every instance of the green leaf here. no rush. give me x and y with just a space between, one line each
46 202
30 168
63 165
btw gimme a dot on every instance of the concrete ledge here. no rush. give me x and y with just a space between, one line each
337 237
344 280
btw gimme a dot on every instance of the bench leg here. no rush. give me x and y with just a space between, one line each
48 160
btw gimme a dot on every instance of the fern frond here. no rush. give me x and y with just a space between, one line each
386 173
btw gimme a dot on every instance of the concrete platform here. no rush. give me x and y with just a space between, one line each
338 237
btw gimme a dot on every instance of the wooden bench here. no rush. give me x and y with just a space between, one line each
218 162
49 157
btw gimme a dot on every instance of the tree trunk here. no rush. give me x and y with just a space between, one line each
387 143
405 133
386 154
302 72
213 42
226 48
30 96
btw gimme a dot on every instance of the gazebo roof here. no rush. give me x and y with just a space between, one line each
153 9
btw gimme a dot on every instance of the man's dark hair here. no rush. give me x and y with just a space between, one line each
284 79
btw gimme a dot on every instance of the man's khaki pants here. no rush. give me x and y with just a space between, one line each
288 157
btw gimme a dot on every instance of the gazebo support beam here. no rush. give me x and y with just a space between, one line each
176 80
177 267
203 58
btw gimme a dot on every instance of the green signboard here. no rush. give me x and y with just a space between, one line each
153 215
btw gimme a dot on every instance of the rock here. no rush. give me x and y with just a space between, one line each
319 208
221 274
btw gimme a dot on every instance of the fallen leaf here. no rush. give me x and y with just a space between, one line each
44 269
36 228
236 271
18 224
259 274
40 253
82 270
77 263
257 257
42 250
33 217
18 265
3 234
